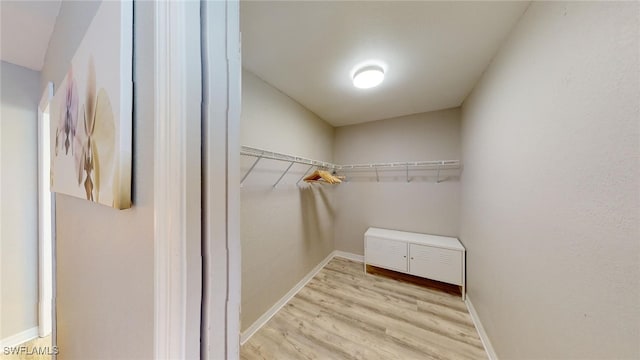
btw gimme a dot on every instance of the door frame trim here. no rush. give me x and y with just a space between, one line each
46 319
181 281
222 73
177 196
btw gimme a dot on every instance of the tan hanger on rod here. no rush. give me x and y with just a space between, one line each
322 175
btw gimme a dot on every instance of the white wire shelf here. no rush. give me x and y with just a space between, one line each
424 165
407 166
266 154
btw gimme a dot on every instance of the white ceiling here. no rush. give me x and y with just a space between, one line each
25 29
434 52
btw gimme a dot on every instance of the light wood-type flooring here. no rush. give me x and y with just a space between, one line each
36 349
344 314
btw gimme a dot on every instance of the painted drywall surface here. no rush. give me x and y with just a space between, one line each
422 205
550 194
67 33
288 230
19 199
104 272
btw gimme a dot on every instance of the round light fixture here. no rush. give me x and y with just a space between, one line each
368 77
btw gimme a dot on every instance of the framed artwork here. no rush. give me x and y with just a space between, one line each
91 115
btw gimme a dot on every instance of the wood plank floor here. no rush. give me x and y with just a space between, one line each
36 349
344 314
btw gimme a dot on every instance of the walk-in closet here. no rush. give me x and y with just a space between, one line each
320 179
451 210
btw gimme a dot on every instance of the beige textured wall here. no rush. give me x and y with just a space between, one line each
19 199
422 205
550 191
288 230
104 270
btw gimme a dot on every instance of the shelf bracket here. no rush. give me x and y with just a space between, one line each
305 174
283 174
377 176
407 167
438 176
250 170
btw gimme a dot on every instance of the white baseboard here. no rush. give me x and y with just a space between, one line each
19 338
483 334
244 336
348 256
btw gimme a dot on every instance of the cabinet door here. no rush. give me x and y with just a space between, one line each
388 254
435 263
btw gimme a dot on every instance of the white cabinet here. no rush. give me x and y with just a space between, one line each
386 253
436 263
434 257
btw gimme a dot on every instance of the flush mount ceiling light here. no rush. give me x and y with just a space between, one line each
368 77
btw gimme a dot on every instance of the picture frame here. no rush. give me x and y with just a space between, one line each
91 130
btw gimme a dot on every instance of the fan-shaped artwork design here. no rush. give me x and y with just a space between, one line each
92 139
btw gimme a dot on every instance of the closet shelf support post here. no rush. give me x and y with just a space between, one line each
250 170
283 174
305 174
407 167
